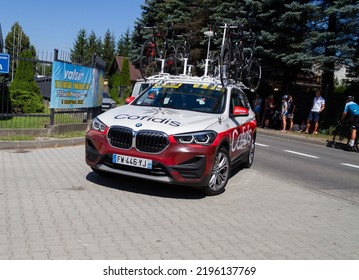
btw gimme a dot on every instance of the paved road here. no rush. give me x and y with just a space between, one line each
315 166
53 207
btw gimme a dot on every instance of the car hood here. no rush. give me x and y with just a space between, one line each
107 100
170 121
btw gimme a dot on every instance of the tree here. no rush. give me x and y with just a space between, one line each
333 37
108 52
93 46
24 92
182 16
125 80
124 44
15 42
79 51
114 82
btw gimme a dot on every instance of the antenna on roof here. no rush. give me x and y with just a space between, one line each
209 34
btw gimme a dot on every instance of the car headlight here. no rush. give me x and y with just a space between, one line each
201 137
98 125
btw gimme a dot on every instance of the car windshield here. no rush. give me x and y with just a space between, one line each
105 95
193 97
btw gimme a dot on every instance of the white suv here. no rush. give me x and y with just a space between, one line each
182 130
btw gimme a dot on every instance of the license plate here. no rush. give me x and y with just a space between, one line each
132 161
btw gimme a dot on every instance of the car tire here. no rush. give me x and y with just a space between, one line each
250 156
220 173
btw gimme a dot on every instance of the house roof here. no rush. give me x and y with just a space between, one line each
135 74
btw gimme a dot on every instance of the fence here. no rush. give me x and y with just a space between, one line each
55 117
9 119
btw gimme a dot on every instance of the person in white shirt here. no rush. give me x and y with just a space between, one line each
318 107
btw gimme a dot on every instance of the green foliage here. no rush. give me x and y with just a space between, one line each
108 53
24 92
125 73
93 46
124 44
114 83
15 42
79 50
25 97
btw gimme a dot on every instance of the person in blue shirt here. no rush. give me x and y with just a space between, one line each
352 109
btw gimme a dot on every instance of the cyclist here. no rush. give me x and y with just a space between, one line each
353 109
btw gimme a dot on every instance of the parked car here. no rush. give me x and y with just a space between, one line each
139 87
107 102
187 131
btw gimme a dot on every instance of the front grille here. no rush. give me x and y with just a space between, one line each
151 141
146 141
120 137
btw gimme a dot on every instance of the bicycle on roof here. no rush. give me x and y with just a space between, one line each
158 53
237 61
182 56
211 63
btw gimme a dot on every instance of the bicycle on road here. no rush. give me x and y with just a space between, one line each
342 135
158 53
237 62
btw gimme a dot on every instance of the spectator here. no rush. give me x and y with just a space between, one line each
257 106
317 108
284 112
291 109
269 106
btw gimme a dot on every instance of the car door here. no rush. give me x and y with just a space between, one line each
240 132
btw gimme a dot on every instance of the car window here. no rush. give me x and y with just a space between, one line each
235 99
105 95
244 100
193 97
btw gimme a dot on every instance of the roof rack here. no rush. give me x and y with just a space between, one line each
163 77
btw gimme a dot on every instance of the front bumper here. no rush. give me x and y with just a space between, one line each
181 164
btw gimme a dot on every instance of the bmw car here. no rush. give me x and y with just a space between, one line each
188 131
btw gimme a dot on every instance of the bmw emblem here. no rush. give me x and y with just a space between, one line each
138 124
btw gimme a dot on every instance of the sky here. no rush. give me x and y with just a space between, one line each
55 24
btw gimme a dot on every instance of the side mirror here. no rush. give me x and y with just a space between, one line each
129 99
240 111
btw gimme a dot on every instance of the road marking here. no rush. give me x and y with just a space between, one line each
301 154
350 165
262 145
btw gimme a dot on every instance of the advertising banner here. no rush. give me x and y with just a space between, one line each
4 63
74 86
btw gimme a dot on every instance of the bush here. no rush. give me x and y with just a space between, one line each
24 92
25 97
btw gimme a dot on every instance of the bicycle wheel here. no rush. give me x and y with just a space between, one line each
170 61
182 52
225 65
149 60
213 66
252 74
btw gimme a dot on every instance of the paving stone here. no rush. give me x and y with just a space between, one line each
53 207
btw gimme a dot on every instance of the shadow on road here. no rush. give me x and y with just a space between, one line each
135 185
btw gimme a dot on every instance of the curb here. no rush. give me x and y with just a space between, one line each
35 144
324 139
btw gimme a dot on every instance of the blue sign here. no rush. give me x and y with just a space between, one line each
75 86
4 63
